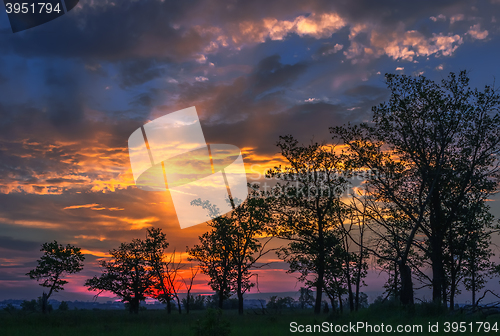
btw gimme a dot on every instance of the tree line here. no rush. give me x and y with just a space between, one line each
428 165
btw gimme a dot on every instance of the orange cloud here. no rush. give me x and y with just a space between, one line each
315 25
89 165
96 253
476 33
81 206
407 45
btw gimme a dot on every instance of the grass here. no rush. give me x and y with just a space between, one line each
158 322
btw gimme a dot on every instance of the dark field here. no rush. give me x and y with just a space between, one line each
158 322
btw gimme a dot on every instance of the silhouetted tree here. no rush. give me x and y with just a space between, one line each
361 266
29 306
188 284
306 298
172 268
213 256
10 308
126 275
431 146
140 269
472 256
307 208
277 303
195 302
57 260
237 249
63 306
354 264
164 269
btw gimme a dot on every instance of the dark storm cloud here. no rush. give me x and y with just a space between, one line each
66 113
143 100
262 90
255 109
387 12
39 123
131 29
398 30
15 275
136 72
127 29
306 122
366 91
270 73
58 99
17 244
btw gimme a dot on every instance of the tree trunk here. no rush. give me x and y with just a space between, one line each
45 299
188 299
436 240
350 294
221 298
347 273
453 286
240 303
358 276
134 305
332 303
360 263
169 308
321 270
452 297
356 298
240 291
397 294
437 270
341 306
338 290
178 304
319 290
473 287
444 289
406 295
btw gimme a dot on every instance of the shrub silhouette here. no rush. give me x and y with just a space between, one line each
212 324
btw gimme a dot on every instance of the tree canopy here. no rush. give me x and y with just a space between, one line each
433 148
56 261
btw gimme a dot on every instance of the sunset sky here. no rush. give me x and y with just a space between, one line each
74 89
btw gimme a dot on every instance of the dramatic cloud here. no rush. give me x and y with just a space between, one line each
55 167
475 32
455 18
405 45
136 72
440 17
316 25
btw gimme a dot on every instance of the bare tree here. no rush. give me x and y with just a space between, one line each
165 268
188 284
